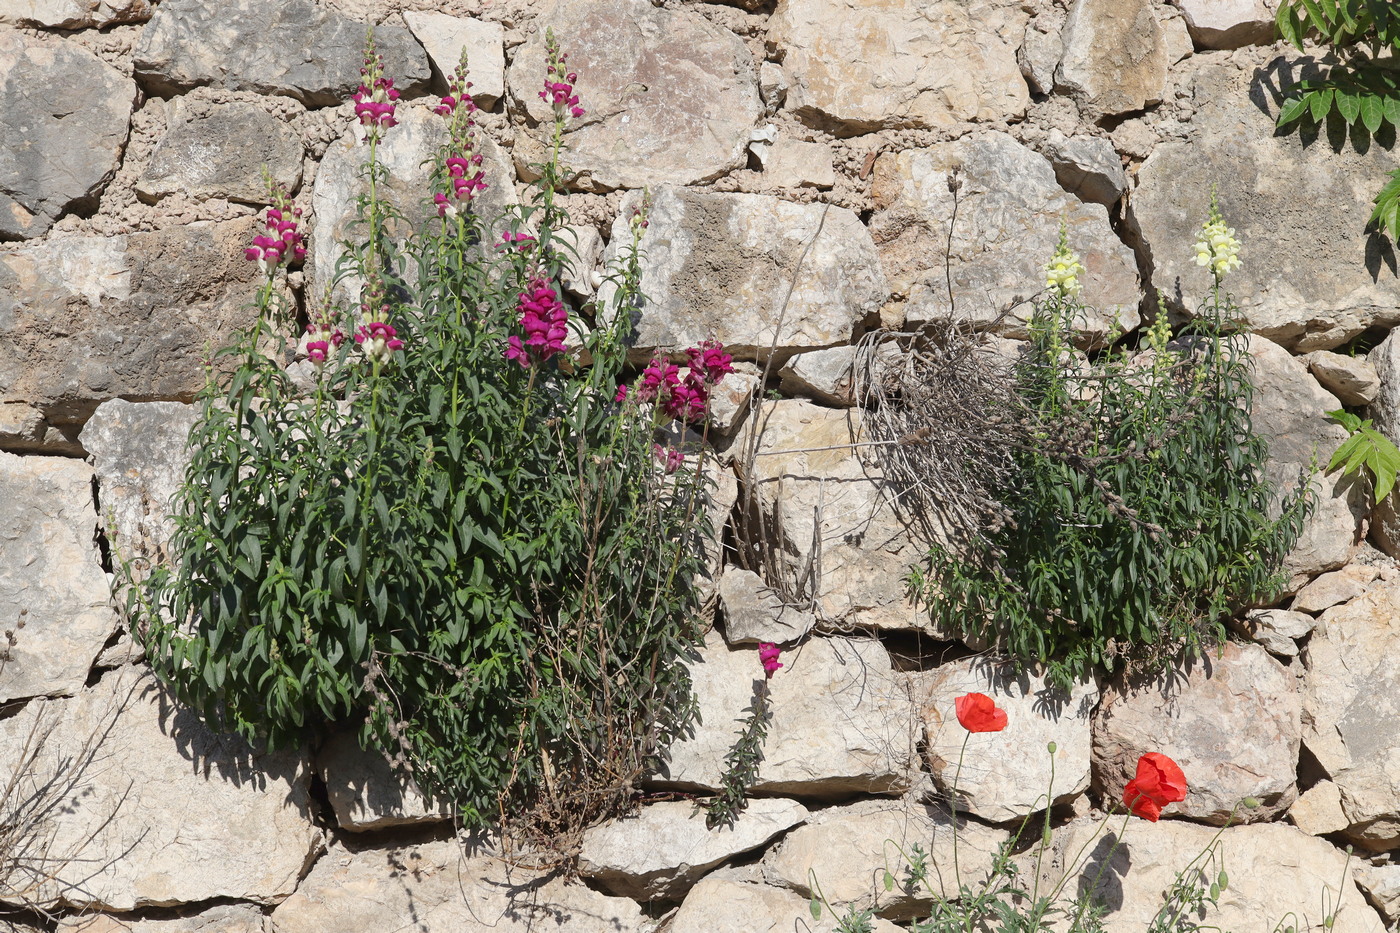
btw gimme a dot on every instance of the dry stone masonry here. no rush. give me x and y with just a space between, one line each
817 171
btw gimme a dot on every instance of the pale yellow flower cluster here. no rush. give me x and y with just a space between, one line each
1063 271
1217 248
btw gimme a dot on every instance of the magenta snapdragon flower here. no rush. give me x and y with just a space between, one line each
281 241
321 340
768 657
375 98
545 322
378 340
688 398
670 458
559 83
518 241
465 177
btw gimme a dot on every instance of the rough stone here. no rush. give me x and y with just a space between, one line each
1087 167
1230 719
1289 411
1351 711
87 318
369 890
1352 379
1382 886
1278 630
158 811
1176 36
792 163
754 613
1332 588
1040 53
722 904
294 48
1114 60
930 64
24 430
821 512
1274 871
772 85
842 721
367 794
847 848
1385 412
661 853
1318 810
446 37
1351 285
225 918
995 784
1009 210
1229 24
671 97
66 118
406 153
582 251
140 452
732 399
53 593
75 14
828 376
754 272
221 151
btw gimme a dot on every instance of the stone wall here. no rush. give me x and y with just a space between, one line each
820 169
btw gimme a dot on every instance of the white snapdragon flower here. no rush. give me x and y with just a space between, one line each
1063 270
1217 248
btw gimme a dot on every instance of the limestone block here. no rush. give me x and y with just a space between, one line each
1087 167
75 14
1009 211
662 851
671 97
1229 24
759 274
1278 630
65 121
1233 141
1332 588
723 904
25 430
446 37
1006 774
221 151
1114 60
1230 719
792 163
842 720
54 596
366 793
294 48
928 64
1318 810
754 613
1352 379
225 918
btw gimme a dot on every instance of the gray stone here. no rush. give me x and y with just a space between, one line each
141 451
1114 61
842 721
928 64
446 37
406 152
1332 588
226 918
792 163
294 48
662 851
754 613
1278 876
732 399
87 318
1087 167
1229 24
1009 210
366 793
994 783
723 904
157 810
65 122
1318 810
1278 630
670 97
1176 36
1289 412
1350 286
754 272
1040 53
828 376
444 890
582 250
1351 711
24 430
74 14
221 151
845 851
54 596
1230 719
1382 886
1352 379
772 85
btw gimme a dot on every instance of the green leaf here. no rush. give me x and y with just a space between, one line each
1372 112
1319 103
1292 109
815 906
1348 105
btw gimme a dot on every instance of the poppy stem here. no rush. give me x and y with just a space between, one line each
953 805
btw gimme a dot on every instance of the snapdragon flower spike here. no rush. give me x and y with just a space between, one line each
545 322
321 340
375 98
710 360
280 242
670 458
378 340
657 380
559 83
519 241
465 177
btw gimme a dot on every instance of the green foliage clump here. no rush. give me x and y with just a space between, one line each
471 556
1139 509
1366 448
1364 88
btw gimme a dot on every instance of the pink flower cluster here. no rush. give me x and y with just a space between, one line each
465 177
688 398
670 458
545 322
280 241
375 97
320 341
518 241
559 83
768 657
377 339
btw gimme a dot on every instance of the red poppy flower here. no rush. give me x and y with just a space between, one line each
978 713
1159 781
